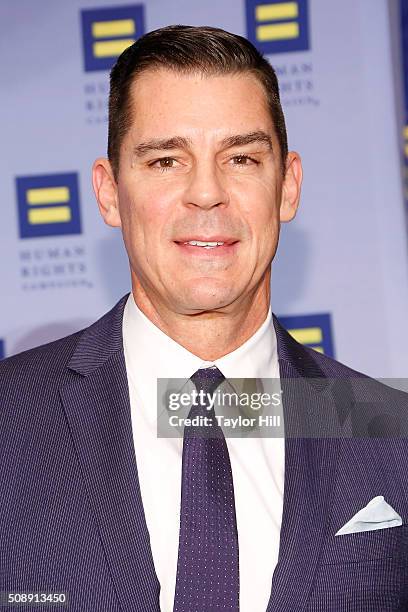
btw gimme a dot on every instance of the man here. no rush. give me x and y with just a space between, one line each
94 503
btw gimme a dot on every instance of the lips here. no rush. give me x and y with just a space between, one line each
225 250
226 239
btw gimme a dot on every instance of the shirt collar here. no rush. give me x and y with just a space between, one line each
151 353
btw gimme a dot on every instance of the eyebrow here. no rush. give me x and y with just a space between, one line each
180 142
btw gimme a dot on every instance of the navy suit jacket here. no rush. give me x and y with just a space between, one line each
71 513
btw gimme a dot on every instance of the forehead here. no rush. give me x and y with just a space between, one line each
162 100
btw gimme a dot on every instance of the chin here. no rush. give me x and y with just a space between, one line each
202 300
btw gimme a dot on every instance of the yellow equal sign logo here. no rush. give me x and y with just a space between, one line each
278 27
313 330
39 201
309 336
287 11
123 28
405 135
107 32
48 205
405 165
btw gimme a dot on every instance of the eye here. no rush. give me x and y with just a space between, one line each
244 160
163 164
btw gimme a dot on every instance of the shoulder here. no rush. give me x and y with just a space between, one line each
33 367
377 407
312 364
332 367
46 366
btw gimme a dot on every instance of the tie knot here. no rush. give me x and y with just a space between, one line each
207 379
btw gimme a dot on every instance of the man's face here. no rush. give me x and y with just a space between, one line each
201 161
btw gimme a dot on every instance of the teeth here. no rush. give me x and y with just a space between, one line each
203 244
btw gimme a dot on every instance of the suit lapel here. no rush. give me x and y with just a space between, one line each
96 402
310 465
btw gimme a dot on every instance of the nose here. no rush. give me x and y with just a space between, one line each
205 187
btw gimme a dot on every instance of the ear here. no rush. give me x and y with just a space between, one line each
106 192
291 187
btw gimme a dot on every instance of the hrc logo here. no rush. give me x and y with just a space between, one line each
405 136
1 349
311 330
405 148
278 27
48 205
107 32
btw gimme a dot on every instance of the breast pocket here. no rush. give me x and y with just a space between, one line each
389 543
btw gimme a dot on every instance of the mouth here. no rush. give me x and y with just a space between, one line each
207 246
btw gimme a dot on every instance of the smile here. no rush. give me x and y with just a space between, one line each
206 249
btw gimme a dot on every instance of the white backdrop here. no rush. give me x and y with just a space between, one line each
344 256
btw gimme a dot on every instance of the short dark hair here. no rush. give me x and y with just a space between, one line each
187 49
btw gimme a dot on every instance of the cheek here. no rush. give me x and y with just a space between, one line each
154 210
258 200
144 209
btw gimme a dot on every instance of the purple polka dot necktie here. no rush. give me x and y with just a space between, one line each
207 567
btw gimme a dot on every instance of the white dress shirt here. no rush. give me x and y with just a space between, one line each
257 463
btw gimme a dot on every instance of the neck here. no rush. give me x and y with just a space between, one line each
209 334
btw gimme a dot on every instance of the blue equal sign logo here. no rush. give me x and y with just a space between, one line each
314 330
48 205
107 32
1 349
278 27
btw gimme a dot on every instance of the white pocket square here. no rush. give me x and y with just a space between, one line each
377 514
